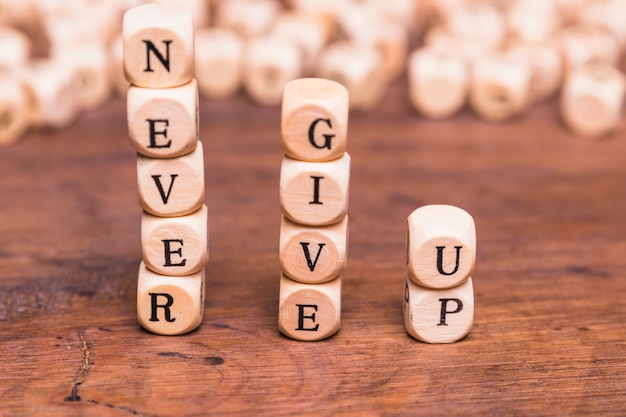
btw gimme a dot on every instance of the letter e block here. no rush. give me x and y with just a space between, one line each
158 45
169 305
438 316
441 247
313 255
163 123
309 312
314 124
315 193
175 246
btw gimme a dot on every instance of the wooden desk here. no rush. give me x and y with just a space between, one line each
548 337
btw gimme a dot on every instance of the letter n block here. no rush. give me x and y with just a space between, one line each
309 312
438 316
158 45
314 124
315 193
169 305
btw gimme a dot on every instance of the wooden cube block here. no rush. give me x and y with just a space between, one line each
592 99
175 246
313 255
438 81
470 49
158 45
249 18
499 86
269 63
171 187
441 246
14 116
309 312
314 119
479 21
607 14
546 67
163 123
219 62
315 193
532 22
438 316
587 44
15 46
169 305
200 10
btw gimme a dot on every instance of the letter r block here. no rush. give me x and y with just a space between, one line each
314 124
158 45
169 305
163 123
309 312
438 316
441 246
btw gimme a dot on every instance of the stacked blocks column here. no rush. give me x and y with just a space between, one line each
438 292
314 184
162 106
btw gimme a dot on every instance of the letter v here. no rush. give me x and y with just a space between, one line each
157 181
307 255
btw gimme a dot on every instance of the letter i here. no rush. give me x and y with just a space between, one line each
314 184
438 291
162 112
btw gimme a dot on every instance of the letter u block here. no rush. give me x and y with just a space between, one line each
158 45
175 246
309 312
315 193
163 123
169 305
441 246
314 125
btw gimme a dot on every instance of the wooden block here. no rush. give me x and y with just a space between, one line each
438 82
163 123
532 21
607 14
592 99
200 10
158 45
315 193
171 187
249 18
479 21
438 316
309 312
441 246
269 64
14 116
219 62
359 68
169 305
175 246
313 255
499 86
439 38
314 119
587 44
15 46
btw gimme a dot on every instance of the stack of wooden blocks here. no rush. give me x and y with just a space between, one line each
438 292
163 128
314 183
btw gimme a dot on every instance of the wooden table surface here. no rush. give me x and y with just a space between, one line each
550 288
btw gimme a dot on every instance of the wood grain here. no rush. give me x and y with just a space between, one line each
548 335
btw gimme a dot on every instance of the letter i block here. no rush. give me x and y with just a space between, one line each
309 312
314 124
175 246
315 193
158 45
438 316
171 187
169 305
313 255
441 246
163 123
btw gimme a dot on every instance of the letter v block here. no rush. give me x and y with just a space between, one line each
175 246
169 305
158 45
163 123
314 124
309 312
171 187
315 193
438 316
441 247
313 255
